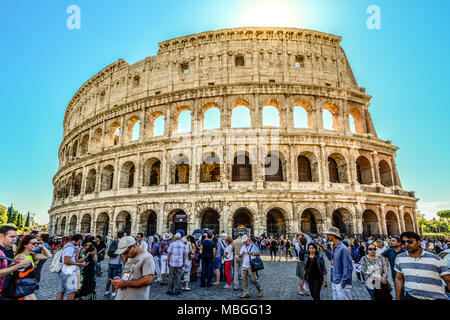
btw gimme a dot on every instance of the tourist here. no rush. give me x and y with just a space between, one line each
374 268
237 267
115 264
68 274
282 247
357 253
218 259
380 247
248 251
141 242
414 261
156 256
175 259
315 271
164 251
273 248
8 237
431 246
138 271
88 254
302 249
45 238
24 251
288 247
223 245
101 250
228 262
391 254
190 255
208 255
341 265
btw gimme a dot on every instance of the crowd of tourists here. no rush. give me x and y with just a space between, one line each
403 267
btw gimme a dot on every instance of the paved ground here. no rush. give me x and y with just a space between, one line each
278 281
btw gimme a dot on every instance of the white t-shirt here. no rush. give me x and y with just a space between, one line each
246 258
229 252
69 251
143 245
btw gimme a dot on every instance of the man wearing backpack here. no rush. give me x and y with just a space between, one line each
68 274
114 264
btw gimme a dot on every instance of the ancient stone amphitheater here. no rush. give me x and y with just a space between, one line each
273 167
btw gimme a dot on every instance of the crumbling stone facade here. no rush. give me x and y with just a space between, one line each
272 179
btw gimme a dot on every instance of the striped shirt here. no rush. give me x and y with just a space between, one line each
423 275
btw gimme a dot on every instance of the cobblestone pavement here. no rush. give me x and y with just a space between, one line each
278 281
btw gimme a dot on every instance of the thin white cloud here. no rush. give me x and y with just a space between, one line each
429 209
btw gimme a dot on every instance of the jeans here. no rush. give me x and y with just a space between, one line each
175 274
157 267
340 293
246 272
237 271
207 271
370 293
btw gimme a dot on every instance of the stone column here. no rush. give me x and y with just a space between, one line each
382 220
375 166
143 125
123 132
401 213
323 167
103 134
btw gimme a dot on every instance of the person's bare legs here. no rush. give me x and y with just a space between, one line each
71 296
217 277
60 296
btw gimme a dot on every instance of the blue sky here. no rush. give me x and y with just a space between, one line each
404 66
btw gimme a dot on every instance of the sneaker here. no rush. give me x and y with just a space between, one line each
107 293
307 293
245 296
300 293
260 294
114 294
187 289
226 286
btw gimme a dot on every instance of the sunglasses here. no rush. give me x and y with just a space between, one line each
34 243
407 241
372 249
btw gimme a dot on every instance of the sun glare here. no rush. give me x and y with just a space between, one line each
270 14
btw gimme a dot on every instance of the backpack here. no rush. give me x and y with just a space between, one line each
56 265
22 283
356 255
112 249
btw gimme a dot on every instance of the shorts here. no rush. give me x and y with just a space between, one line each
300 271
68 283
217 262
114 270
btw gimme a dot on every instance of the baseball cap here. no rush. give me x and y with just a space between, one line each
124 243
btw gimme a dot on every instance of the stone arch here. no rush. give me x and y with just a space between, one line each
409 222
102 224
153 124
266 108
86 223
85 144
107 178
207 108
334 110
363 170
370 223
337 168
275 166
311 221
306 106
243 216
124 222
210 168
74 149
113 134
276 222
73 225
90 181
358 120
210 219
241 169
148 222
63 225
77 184
307 167
177 219
133 129
392 227
385 173
127 173
180 167
187 112
341 218
246 114
97 140
152 172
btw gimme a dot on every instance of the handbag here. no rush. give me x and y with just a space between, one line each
256 264
21 284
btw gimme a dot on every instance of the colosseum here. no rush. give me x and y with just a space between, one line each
265 159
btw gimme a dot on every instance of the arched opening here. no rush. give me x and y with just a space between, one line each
184 121
74 149
370 223
385 173
342 220
73 225
179 221
273 168
136 129
123 222
97 140
210 169
149 222
242 218
392 224
304 169
210 220
330 114
309 224
152 172
63 226
158 126
356 120
363 170
333 170
211 118
102 225
77 184
241 169
337 168
112 137
84 144
300 117
270 116
90 182
409 224
127 175
181 170
276 224
240 117
107 178
86 224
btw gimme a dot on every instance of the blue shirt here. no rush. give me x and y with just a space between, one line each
207 249
391 255
341 264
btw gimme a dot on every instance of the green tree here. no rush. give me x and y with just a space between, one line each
3 215
445 214
27 222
